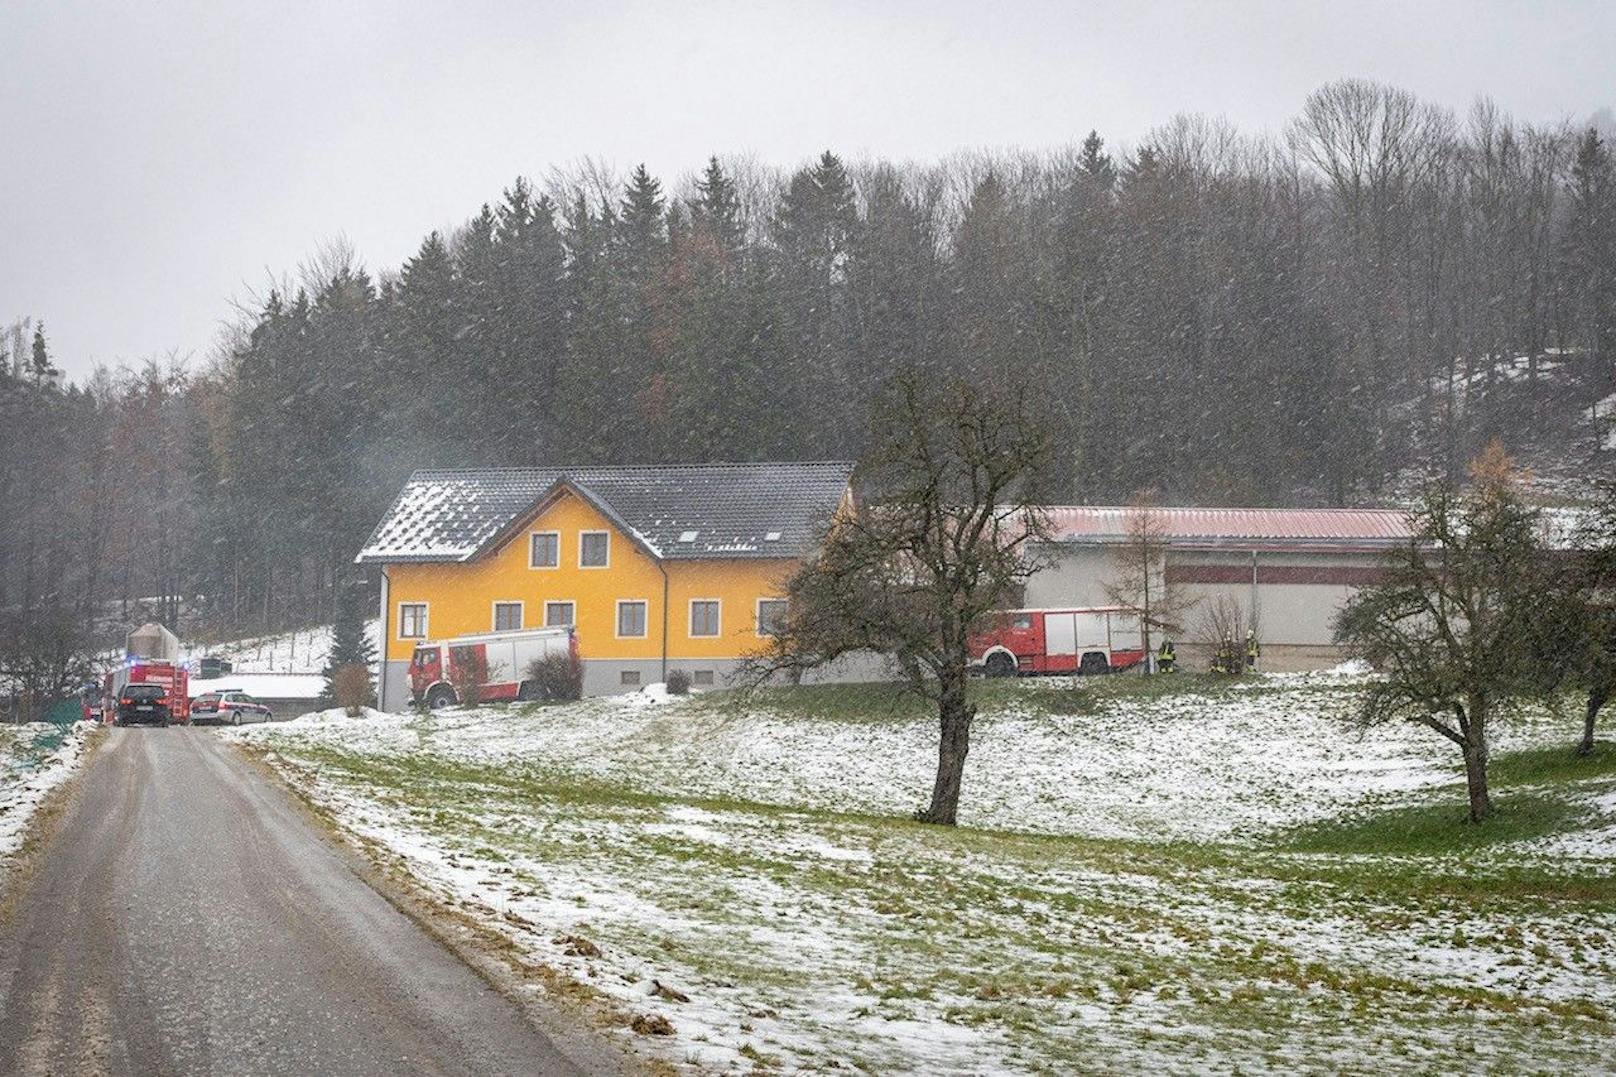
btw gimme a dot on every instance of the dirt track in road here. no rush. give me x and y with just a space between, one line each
186 919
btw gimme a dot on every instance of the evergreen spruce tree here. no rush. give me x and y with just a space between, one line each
350 643
640 255
816 230
717 211
593 373
40 367
718 392
530 337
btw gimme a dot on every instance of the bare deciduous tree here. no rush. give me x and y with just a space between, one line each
946 539
1451 629
1139 574
44 658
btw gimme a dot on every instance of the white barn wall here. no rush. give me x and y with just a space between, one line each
1295 619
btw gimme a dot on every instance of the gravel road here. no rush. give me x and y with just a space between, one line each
186 919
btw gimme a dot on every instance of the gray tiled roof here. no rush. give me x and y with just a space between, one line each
733 510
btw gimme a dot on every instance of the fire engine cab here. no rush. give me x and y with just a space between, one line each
1098 639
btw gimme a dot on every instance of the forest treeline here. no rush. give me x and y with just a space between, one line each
1300 318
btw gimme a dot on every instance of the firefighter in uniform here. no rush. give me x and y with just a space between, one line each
1166 658
1253 650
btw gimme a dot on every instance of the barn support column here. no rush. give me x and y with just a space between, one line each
1256 603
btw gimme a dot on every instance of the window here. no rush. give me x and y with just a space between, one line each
1022 621
704 617
544 549
702 678
629 676
412 620
507 616
631 619
594 549
771 616
558 614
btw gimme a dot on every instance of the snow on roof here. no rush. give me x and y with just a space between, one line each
1299 528
732 508
263 685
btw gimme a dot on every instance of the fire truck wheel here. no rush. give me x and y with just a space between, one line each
1000 664
1093 663
439 697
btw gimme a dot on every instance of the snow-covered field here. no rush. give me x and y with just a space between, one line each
301 651
1127 889
34 759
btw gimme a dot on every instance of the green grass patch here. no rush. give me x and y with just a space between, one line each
1553 765
1438 829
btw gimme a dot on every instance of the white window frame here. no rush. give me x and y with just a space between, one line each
521 614
690 619
757 615
560 602
617 624
531 535
426 613
604 564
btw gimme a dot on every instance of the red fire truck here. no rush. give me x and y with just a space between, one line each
505 656
1096 639
173 678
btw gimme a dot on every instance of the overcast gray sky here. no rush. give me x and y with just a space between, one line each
162 158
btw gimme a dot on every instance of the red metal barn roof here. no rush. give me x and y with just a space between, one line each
1302 529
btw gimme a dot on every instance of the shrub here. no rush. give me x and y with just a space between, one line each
468 672
678 682
350 688
555 676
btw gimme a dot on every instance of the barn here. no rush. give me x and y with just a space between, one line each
1284 571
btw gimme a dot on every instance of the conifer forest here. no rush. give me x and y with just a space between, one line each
1314 317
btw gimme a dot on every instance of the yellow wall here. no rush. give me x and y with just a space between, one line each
461 597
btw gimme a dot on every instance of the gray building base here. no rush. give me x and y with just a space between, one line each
1276 657
393 687
606 676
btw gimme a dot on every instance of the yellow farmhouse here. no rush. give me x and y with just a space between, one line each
655 567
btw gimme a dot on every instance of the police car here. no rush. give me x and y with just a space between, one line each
230 706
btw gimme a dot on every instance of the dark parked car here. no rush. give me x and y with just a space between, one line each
213 666
144 703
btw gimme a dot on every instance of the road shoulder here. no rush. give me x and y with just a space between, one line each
18 869
568 1013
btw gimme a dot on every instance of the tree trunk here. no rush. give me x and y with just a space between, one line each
1475 756
955 715
1596 700
1481 804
